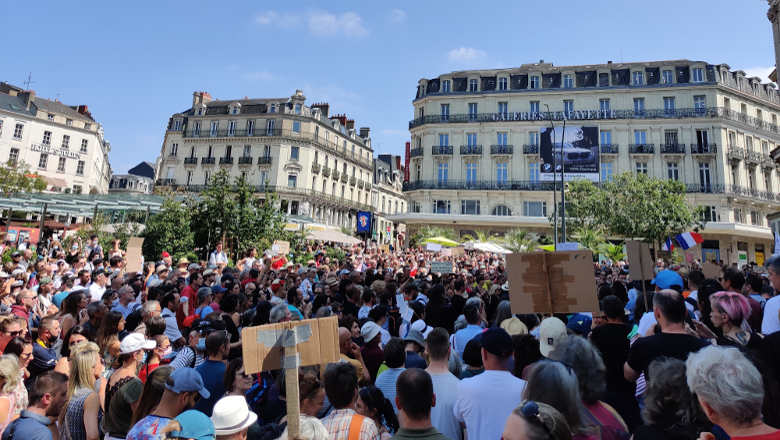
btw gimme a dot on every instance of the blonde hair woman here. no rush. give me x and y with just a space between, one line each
9 380
81 417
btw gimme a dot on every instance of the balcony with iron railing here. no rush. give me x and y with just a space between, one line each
360 184
352 181
767 161
734 190
471 150
502 149
368 186
226 161
208 133
208 161
641 148
417 152
752 156
609 148
246 160
316 168
264 160
672 148
190 161
165 182
508 185
344 177
326 171
704 148
441 150
735 152
531 149
336 175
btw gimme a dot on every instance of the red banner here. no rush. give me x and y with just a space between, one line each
407 159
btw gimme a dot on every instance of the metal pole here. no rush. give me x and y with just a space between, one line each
8 224
43 218
563 185
555 194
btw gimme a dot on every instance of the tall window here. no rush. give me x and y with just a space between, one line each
214 128
189 177
270 129
247 150
473 85
267 151
603 80
639 107
176 124
533 171
80 168
606 171
206 177
501 139
501 172
667 77
568 106
61 165
732 139
698 75
273 109
640 137
196 129
441 206
443 174
603 104
297 109
444 139
472 112
704 174
702 137
46 138
471 172
65 141
445 86
250 128
568 81
503 108
445 112
18 130
751 177
668 103
418 172
229 151
638 78
43 161
533 138
13 156
296 127
84 143
174 149
738 213
534 107
469 207
294 152
535 209
641 168
699 102
292 180
670 137
471 139
502 83
235 110
672 171
605 137
534 82
749 143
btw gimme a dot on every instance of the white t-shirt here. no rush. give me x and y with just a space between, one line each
647 321
771 322
96 292
442 416
484 400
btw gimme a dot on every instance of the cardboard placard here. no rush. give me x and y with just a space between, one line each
469 246
711 270
640 265
433 247
385 248
460 250
446 252
322 347
284 246
552 282
134 255
441 267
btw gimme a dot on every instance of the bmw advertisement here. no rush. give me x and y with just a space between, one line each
576 150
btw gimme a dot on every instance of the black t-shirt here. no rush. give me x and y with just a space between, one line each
673 345
754 343
614 345
350 309
458 302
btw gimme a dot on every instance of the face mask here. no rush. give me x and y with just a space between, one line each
201 344
167 351
94 243
52 339
146 355
75 246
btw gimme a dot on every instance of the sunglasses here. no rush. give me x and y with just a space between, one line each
16 333
530 411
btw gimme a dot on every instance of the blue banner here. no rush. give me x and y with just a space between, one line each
363 221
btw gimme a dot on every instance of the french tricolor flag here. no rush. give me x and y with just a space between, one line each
668 246
689 239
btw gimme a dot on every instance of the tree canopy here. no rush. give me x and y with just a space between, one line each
15 177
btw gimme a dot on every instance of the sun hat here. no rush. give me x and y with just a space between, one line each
194 425
193 266
161 268
369 331
187 380
551 331
514 326
415 336
183 260
134 342
231 415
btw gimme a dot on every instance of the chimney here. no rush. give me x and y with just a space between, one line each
200 98
324 108
8 89
27 98
609 62
341 118
350 124
365 132
82 109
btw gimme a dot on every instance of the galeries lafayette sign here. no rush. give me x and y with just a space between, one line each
556 116
49 150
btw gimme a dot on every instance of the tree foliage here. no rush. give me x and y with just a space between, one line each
591 237
169 231
17 178
634 206
481 236
519 240
430 231
613 252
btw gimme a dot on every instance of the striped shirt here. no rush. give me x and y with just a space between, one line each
337 424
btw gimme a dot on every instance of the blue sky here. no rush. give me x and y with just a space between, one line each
137 63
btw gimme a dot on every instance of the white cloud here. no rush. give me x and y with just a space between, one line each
467 54
271 17
397 15
260 76
267 18
324 23
761 72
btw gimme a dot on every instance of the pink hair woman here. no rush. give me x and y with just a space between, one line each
730 312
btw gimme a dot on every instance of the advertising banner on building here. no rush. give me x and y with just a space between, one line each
407 158
577 150
363 221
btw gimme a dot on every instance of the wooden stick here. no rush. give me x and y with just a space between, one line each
293 397
547 283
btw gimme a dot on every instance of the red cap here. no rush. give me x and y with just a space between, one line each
165 255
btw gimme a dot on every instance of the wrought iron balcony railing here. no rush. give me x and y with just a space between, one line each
735 152
316 168
165 182
352 181
672 148
417 152
226 161
246 160
513 185
360 184
336 175
531 149
609 148
735 190
753 156
641 148
326 171
502 149
441 150
190 161
344 177
471 150
208 161
264 160
704 148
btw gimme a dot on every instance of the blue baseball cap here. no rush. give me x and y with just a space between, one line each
216 288
668 278
186 380
194 425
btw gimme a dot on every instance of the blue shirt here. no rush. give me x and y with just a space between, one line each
44 359
148 428
58 298
29 426
212 373
386 382
464 335
125 310
414 360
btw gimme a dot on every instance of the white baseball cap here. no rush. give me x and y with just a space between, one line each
134 342
551 331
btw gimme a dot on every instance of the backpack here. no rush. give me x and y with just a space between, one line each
394 322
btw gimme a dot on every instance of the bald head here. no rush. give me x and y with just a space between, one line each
345 340
671 305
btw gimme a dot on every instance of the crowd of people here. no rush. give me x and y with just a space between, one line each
91 351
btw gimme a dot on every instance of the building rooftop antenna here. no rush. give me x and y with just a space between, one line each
29 81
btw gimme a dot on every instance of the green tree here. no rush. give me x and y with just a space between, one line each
481 236
15 177
430 231
590 237
169 231
213 212
612 251
519 240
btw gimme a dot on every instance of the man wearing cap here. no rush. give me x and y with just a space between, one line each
333 290
98 286
415 344
278 291
232 418
492 395
193 354
183 388
45 297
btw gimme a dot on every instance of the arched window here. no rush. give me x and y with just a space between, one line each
502 210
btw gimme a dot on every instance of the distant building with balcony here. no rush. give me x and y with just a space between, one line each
475 144
63 144
320 165
138 180
387 198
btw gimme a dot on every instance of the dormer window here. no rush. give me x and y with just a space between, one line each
534 82
445 86
698 75
473 85
638 78
200 111
502 83
667 77
568 81
273 109
297 109
234 111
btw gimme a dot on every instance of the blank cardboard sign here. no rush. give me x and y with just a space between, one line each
640 265
552 282
710 270
134 255
263 349
284 246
